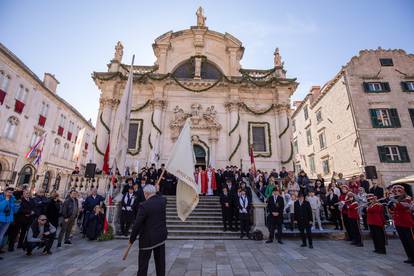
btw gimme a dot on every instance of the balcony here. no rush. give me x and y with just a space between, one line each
42 121
18 107
60 131
2 96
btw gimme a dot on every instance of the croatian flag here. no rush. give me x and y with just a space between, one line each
32 153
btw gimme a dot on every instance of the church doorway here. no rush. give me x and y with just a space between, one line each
200 156
46 181
25 175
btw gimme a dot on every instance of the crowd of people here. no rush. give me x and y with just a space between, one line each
28 222
293 202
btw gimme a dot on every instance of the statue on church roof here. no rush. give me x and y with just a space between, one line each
119 51
278 58
201 19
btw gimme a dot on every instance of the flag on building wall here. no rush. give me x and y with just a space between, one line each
32 153
181 164
38 158
120 130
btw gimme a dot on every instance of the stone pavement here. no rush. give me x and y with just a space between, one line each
217 257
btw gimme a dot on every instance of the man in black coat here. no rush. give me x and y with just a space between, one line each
332 201
151 225
275 207
303 217
226 209
129 204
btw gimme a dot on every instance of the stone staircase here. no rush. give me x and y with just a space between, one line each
204 223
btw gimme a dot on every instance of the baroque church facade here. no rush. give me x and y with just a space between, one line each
197 74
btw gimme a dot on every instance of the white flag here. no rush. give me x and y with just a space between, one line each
121 123
181 164
155 152
77 153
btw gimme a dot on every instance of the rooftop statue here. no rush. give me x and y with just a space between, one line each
201 19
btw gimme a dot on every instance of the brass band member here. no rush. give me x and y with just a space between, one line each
376 222
344 211
353 219
400 207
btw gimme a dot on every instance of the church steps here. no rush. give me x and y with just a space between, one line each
205 222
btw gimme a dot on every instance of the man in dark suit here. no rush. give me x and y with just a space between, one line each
244 207
275 207
226 209
151 225
304 220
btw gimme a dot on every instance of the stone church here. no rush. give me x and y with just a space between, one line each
197 74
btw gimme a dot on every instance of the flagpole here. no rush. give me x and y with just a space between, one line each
157 185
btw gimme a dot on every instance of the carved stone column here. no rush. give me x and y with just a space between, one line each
233 111
278 129
285 140
213 138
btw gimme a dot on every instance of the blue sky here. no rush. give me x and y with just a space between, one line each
71 39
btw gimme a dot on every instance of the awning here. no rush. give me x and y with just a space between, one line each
408 179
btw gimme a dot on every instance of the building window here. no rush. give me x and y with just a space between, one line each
376 87
35 138
312 163
259 138
56 145
322 140
386 62
407 86
4 82
305 112
293 125
43 114
133 136
10 129
70 130
325 166
319 116
65 151
295 147
4 85
385 118
61 127
393 154
309 137
411 111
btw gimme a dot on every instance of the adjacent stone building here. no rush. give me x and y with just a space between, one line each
364 116
30 109
197 74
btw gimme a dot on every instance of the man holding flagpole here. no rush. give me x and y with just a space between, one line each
151 222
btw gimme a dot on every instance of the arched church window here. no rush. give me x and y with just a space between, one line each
207 70
25 175
185 70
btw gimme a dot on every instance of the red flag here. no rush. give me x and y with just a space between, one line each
105 227
105 167
253 164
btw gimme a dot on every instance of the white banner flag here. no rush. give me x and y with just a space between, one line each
121 123
77 154
181 164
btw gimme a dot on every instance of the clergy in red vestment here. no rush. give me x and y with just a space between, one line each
209 185
201 179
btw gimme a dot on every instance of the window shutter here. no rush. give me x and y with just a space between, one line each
366 87
404 86
385 86
395 119
404 154
411 110
374 119
382 152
